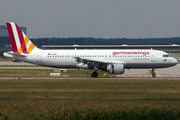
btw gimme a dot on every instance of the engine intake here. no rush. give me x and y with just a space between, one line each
115 68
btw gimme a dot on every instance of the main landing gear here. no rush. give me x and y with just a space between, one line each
95 74
153 73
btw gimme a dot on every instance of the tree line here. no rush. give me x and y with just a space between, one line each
98 41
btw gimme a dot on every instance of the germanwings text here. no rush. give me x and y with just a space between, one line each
131 53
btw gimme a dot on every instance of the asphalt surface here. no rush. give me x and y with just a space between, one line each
163 72
89 78
171 72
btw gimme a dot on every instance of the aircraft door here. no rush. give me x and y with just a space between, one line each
153 56
39 56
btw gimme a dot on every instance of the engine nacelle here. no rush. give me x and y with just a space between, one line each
115 68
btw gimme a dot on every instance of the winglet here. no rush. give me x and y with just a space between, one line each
19 41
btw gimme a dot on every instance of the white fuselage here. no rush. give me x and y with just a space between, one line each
129 58
112 61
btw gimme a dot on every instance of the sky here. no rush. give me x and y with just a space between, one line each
94 18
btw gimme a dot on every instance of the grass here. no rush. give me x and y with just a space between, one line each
24 73
84 110
106 90
46 73
5 59
90 98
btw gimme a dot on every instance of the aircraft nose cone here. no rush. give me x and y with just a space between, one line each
174 61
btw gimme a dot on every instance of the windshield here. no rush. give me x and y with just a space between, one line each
166 55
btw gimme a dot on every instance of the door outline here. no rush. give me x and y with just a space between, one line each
153 56
39 56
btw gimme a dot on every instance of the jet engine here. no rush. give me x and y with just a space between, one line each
115 68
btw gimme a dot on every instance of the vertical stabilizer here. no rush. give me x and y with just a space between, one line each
19 41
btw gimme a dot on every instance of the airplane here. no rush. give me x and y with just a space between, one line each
113 61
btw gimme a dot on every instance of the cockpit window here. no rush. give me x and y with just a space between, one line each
166 55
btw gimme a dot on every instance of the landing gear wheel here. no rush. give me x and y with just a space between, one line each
94 74
153 75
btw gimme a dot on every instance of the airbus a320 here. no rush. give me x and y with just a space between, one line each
112 61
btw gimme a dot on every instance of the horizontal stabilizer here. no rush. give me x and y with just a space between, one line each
10 54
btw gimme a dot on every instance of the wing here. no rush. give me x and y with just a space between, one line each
96 63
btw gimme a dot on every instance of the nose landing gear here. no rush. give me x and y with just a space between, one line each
153 73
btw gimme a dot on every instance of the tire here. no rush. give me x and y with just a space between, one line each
94 74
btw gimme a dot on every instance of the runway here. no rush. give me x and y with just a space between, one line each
172 72
163 72
89 78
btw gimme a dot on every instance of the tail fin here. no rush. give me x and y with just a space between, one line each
19 41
